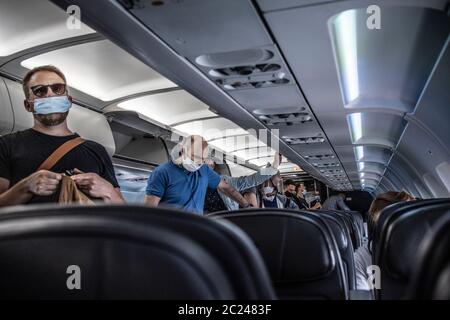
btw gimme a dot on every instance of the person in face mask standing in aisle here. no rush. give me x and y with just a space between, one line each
267 196
23 153
300 197
182 181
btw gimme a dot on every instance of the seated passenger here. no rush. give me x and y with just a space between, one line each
363 257
315 204
182 181
218 201
335 202
23 152
266 195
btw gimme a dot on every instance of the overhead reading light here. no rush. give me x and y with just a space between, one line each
355 124
344 25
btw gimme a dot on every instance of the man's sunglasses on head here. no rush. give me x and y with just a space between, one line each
41 91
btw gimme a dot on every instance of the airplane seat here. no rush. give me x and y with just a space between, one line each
299 250
344 243
357 224
432 273
351 226
398 245
390 213
125 252
358 218
385 214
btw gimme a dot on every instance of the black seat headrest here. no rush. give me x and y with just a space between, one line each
431 274
299 250
343 240
126 252
399 240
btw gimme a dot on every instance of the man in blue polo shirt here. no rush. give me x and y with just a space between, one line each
182 181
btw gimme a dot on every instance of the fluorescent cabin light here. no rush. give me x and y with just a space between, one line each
355 123
359 153
345 25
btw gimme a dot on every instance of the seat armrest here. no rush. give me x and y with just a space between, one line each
360 295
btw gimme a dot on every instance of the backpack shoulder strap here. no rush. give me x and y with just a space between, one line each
60 152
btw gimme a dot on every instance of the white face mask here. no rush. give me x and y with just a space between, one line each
190 165
267 191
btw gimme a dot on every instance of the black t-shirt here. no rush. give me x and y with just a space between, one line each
21 154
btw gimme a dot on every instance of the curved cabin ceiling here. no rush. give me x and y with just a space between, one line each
116 80
40 23
103 61
347 103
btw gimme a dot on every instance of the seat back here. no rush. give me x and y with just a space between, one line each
125 252
355 220
351 226
357 216
390 213
344 242
300 252
399 240
432 274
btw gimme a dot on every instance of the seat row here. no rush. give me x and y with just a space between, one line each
137 252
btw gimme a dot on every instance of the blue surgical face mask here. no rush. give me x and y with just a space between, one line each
57 104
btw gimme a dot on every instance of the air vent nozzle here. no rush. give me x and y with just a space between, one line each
245 70
285 119
249 83
326 165
320 156
331 171
304 140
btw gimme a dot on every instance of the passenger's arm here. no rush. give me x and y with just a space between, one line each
232 193
97 187
41 183
253 180
246 182
152 200
251 198
341 204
